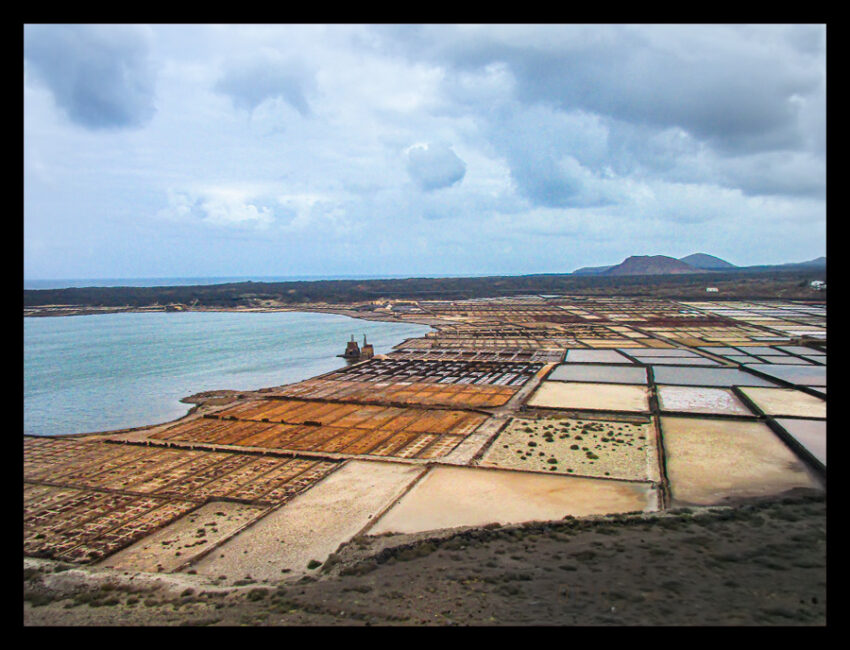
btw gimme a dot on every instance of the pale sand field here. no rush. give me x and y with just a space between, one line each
579 395
710 460
449 497
786 401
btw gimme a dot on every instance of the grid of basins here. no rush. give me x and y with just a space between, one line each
786 318
464 354
711 378
681 384
407 393
756 459
331 427
799 355
85 500
479 373
490 340
423 382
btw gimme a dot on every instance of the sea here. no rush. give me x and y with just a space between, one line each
113 371
183 281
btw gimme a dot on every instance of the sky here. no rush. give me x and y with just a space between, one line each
278 150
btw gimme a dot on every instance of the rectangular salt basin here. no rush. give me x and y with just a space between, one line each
801 375
595 356
800 349
788 361
450 497
601 374
786 401
761 350
811 434
742 358
661 352
709 461
602 397
722 351
679 361
722 377
693 399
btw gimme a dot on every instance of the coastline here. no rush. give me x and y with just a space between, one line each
58 312
211 397
298 564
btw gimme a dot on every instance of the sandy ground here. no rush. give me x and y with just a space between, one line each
711 460
695 399
786 401
312 525
575 395
587 447
448 497
761 563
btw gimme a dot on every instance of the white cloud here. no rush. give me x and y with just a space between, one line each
434 166
227 207
291 146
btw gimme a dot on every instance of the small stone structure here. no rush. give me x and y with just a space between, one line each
367 351
352 350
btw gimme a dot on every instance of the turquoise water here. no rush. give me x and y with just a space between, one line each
112 371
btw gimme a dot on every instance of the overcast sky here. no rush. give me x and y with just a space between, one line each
176 150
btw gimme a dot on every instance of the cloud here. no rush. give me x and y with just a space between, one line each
226 207
556 159
101 76
787 173
434 166
251 81
727 84
625 139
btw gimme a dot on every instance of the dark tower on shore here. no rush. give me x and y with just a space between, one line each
352 350
367 351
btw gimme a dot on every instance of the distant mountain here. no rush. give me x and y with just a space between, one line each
818 261
696 263
817 264
592 270
706 261
650 265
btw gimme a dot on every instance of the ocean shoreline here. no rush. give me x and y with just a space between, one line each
50 312
196 399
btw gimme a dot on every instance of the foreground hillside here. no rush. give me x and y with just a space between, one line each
759 563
